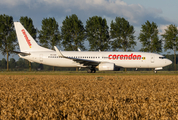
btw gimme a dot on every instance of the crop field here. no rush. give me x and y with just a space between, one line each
89 97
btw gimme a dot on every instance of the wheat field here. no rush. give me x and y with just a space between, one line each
85 97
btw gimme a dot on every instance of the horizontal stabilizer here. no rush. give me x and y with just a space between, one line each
22 53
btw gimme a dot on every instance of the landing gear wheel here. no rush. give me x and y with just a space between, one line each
89 71
155 71
93 71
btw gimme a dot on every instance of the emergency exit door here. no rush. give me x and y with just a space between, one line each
152 59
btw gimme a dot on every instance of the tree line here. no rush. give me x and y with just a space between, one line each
23 65
72 35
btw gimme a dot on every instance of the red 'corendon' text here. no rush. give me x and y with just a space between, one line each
26 38
124 57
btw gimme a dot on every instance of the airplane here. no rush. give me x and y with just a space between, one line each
101 60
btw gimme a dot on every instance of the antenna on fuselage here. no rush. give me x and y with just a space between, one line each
79 50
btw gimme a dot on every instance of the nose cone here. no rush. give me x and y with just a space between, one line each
169 62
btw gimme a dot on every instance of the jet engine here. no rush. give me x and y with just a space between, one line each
107 66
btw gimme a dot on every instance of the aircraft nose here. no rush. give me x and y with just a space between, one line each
169 62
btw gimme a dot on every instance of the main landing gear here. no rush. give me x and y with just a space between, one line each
91 70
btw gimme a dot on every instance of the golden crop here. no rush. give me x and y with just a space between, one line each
89 97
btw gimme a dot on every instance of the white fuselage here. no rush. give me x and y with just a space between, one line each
120 59
30 50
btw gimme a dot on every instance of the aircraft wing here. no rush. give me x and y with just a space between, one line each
85 62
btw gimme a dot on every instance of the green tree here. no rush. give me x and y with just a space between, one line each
73 33
171 40
35 66
122 34
12 63
8 39
149 38
28 24
49 36
97 32
20 63
3 63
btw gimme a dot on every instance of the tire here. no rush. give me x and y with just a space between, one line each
89 71
93 71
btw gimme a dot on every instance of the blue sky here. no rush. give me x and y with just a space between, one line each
137 12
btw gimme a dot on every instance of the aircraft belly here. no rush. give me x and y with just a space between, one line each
67 63
127 63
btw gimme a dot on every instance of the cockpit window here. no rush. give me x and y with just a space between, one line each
162 57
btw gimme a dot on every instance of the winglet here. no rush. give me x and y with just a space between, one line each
58 52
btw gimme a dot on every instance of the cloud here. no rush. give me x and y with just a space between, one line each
134 13
10 3
14 3
162 29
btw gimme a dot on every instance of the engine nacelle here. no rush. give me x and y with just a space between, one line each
106 66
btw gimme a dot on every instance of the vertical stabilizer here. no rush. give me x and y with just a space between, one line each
26 42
